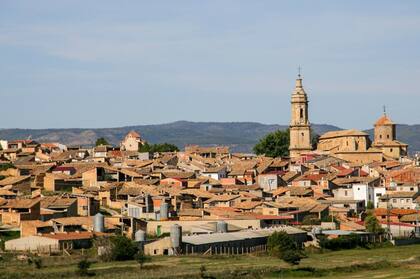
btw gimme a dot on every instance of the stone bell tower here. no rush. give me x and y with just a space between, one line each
300 128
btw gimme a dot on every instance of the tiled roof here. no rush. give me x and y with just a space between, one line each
342 133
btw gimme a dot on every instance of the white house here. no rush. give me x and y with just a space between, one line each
368 193
3 144
216 172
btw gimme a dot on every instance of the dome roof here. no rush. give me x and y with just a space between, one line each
384 120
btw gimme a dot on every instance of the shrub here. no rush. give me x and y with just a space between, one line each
341 243
372 225
141 258
101 141
38 262
280 244
83 267
123 249
292 257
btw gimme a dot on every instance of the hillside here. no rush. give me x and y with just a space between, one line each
240 136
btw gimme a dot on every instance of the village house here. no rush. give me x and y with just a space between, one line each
16 210
132 142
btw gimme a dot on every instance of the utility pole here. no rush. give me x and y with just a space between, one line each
416 229
388 217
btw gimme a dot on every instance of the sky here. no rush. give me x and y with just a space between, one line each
89 64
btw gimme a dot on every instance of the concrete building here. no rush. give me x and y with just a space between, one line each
402 200
240 242
300 128
368 193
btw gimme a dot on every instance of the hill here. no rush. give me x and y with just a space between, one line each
240 136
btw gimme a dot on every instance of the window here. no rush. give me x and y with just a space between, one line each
301 113
408 200
390 150
345 193
394 200
387 136
380 136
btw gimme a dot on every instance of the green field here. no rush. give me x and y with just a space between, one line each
391 262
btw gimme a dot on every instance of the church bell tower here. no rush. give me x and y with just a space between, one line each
300 127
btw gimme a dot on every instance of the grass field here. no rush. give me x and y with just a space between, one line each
391 262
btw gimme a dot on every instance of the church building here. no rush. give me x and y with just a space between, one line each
300 128
385 139
350 145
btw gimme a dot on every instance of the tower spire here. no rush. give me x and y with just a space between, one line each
299 78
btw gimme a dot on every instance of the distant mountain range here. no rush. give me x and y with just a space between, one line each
239 136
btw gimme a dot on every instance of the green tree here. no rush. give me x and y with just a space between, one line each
123 249
281 245
370 205
159 147
372 225
101 141
275 144
314 139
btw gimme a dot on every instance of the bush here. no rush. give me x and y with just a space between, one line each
309 220
123 249
341 243
141 258
372 225
159 147
35 260
279 242
83 268
292 257
281 245
101 141
38 262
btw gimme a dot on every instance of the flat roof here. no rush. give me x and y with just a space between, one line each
236 236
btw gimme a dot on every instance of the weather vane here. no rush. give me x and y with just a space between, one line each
384 109
299 70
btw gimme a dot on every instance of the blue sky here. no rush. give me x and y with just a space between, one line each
116 63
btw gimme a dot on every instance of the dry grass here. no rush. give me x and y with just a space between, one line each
392 262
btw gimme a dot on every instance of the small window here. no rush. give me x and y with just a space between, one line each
391 150
387 136
301 113
380 136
